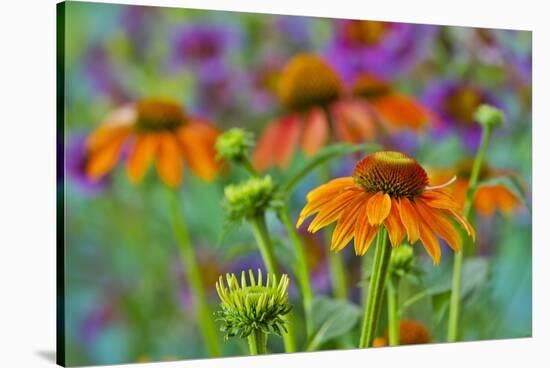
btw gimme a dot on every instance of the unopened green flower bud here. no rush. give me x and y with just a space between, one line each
401 260
254 305
249 198
489 116
234 145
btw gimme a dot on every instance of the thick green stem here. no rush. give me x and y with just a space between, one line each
259 228
376 289
193 274
392 291
249 167
302 270
257 342
454 309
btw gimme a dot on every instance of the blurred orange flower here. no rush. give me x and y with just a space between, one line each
157 131
488 198
312 94
393 109
389 189
410 333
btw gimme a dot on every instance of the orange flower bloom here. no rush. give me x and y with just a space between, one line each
156 130
308 88
389 189
487 198
410 333
394 110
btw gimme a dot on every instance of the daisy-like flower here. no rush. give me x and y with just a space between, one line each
488 198
384 48
410 333
387 189
153 130
309 89
454 103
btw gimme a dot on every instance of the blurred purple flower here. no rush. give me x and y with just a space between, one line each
295 31
95 321
454 102
137 22
75 166
382 48
205 48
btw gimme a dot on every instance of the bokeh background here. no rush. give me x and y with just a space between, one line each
126 297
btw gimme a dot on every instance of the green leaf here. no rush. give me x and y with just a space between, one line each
509 182
331 318
324 155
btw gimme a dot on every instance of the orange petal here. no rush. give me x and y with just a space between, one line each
459 217
103 159
332 210
439 199
264 153
316 131
197 142
507 201
169 160
353 121
401 111
117 123
321 195
409 219
364 233
437 221
140 156
396 230
430 242
288 137
378 208
343 233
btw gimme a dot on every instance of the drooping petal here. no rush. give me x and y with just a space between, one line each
396 230
118 122
378 208
459 217
169 160
430 242
316 131
104 158
321 195
197 143
364 233
401 111
332 210
344 230
437 222
264 153
353 121
439 199
140 156
409 219
288 137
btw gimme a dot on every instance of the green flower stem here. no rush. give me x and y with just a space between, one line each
302 271
376 289
259 228
249 167
193 273
257 342
454 309
392 291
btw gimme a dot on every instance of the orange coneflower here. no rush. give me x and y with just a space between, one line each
389 189
156 130
393 109
488 198
410 333
312 93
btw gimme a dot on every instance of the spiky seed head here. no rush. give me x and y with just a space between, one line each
159 114
393 173
248 199
234 144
